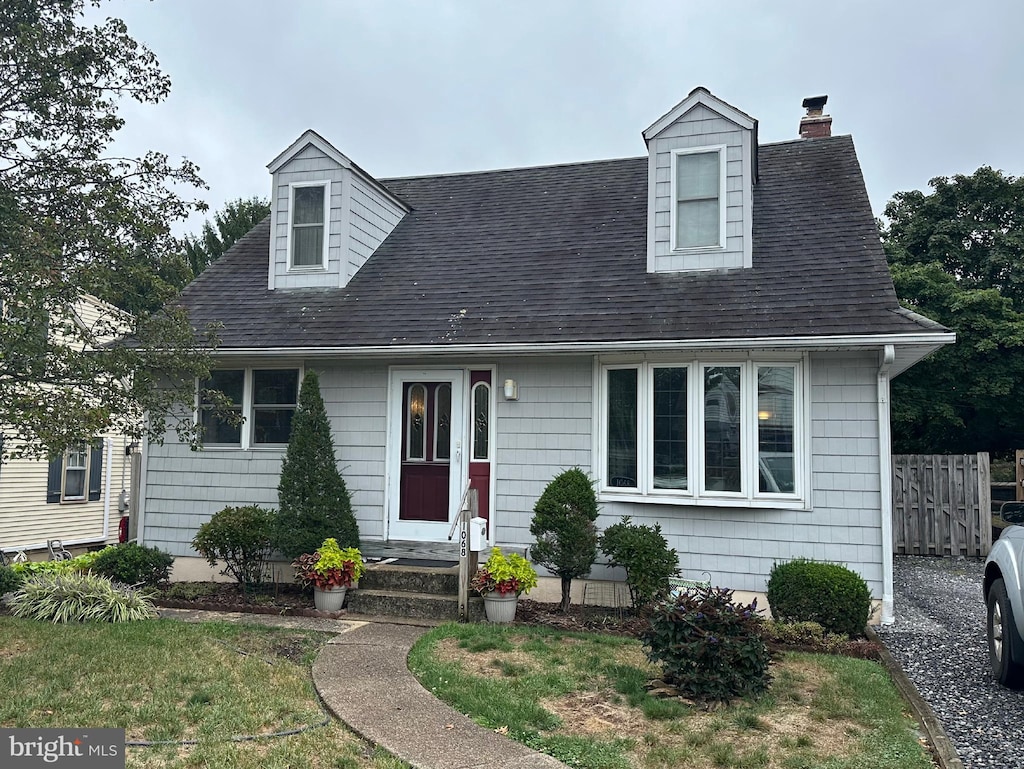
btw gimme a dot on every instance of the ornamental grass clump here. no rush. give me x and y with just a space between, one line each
79 597
709 647
329 566
504 574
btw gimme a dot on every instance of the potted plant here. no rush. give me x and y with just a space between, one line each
500 581
331 570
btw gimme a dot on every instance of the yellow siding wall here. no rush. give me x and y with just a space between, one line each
27 521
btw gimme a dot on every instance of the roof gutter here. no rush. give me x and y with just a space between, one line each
851 342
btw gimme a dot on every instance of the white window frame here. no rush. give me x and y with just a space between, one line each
720 149
66 466
246 442
326 185
696 492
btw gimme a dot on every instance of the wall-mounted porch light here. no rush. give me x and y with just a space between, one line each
511 390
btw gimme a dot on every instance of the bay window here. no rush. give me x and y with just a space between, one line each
703 431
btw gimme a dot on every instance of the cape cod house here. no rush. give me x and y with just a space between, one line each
709 330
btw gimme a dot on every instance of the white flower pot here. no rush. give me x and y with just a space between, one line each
330 599
500 608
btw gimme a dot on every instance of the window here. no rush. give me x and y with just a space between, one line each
481 420
76 468
260 402
308 232
77 474
275 396
218 429
416 422
703 431
698 194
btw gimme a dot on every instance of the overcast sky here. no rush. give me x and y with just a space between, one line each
926 87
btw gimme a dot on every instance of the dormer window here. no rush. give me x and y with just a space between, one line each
307 232
698 190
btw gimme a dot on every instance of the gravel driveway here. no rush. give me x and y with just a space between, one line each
939 639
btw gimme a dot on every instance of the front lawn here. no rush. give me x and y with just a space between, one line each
583 699
170 682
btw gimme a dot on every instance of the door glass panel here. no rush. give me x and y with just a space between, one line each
481 419
622 440
775 429
443 428
417 434
670 428
722 428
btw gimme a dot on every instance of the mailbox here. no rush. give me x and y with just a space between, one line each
478 534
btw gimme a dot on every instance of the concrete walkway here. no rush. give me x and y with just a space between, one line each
363 678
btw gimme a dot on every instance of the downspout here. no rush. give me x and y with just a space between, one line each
108 449
885 481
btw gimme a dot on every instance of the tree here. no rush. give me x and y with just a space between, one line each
957 257
232 222
313 500
563 523
75 220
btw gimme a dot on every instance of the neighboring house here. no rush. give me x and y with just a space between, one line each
709 330
73 497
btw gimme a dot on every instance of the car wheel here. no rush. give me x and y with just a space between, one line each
1002 636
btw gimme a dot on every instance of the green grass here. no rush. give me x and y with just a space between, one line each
162 680
544 688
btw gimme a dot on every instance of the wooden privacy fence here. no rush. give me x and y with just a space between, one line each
941 504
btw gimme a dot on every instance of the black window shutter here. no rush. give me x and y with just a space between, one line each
53 479
96 472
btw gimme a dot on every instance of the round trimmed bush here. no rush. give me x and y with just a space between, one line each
134 564
830 594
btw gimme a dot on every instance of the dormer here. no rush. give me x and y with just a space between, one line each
327 216
702 167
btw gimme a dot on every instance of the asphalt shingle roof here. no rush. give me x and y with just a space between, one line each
559 254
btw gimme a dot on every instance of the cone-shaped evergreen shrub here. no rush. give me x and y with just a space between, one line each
313 501
563 523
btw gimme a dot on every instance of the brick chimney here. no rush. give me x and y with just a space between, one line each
814 124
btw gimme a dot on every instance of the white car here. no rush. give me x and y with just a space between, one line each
1004 596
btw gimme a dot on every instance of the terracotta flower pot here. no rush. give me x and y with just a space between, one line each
329 599
500 608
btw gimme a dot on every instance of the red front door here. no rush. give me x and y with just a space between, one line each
426 451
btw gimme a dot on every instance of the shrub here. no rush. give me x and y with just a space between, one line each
9 579
82 562
563 523
242 537
77 597
645 555
313 499
803 635
134 564
830 594
709 647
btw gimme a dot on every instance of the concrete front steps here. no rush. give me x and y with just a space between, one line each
418 592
